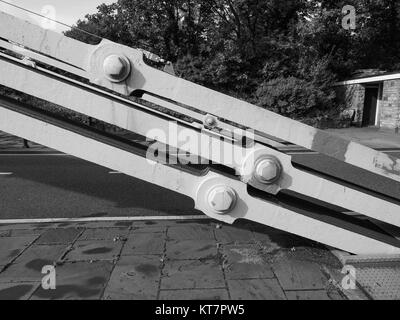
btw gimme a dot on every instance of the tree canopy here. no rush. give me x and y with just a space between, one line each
283 55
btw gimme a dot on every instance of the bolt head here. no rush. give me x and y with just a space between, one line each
268 171
116 68
222 199
210 121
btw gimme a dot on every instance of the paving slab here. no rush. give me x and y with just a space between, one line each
94 250
17 291
307 295
78 281
123 224
164 260
152 226
151 230
197 232
95 225
134 278
192 274
273 240
191 249
205 295
245 262
59 236
299 274
11 247
21 233
144 244
260 289
104 234
155 224
27 226
314 295
28 266
207 222
66 225
231 234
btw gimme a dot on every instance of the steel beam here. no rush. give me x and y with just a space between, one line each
94 103
246 207
142 77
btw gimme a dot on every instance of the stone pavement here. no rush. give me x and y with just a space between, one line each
164 260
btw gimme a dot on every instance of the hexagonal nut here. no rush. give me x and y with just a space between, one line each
116 68
268 171
222 199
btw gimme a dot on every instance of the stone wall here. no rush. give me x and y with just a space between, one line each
390 105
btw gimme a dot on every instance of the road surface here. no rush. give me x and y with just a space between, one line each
42 186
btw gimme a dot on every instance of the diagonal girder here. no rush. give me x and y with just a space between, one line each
94 103
86 145
91 58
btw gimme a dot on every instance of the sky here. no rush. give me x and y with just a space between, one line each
67 11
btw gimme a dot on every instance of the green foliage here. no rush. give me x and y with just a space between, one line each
311 95
283 55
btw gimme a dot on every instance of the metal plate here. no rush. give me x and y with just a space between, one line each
381 281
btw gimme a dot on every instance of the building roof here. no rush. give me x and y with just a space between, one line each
371 78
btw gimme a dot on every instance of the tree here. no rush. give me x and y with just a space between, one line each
169 28
283 55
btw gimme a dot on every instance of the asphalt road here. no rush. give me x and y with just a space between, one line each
64 187
43 186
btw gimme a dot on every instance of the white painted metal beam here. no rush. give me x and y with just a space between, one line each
247 207
148 79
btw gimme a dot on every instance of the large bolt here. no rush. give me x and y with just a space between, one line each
116 68
268 170
222 199
210 121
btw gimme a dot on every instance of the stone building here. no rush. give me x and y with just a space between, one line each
372 100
